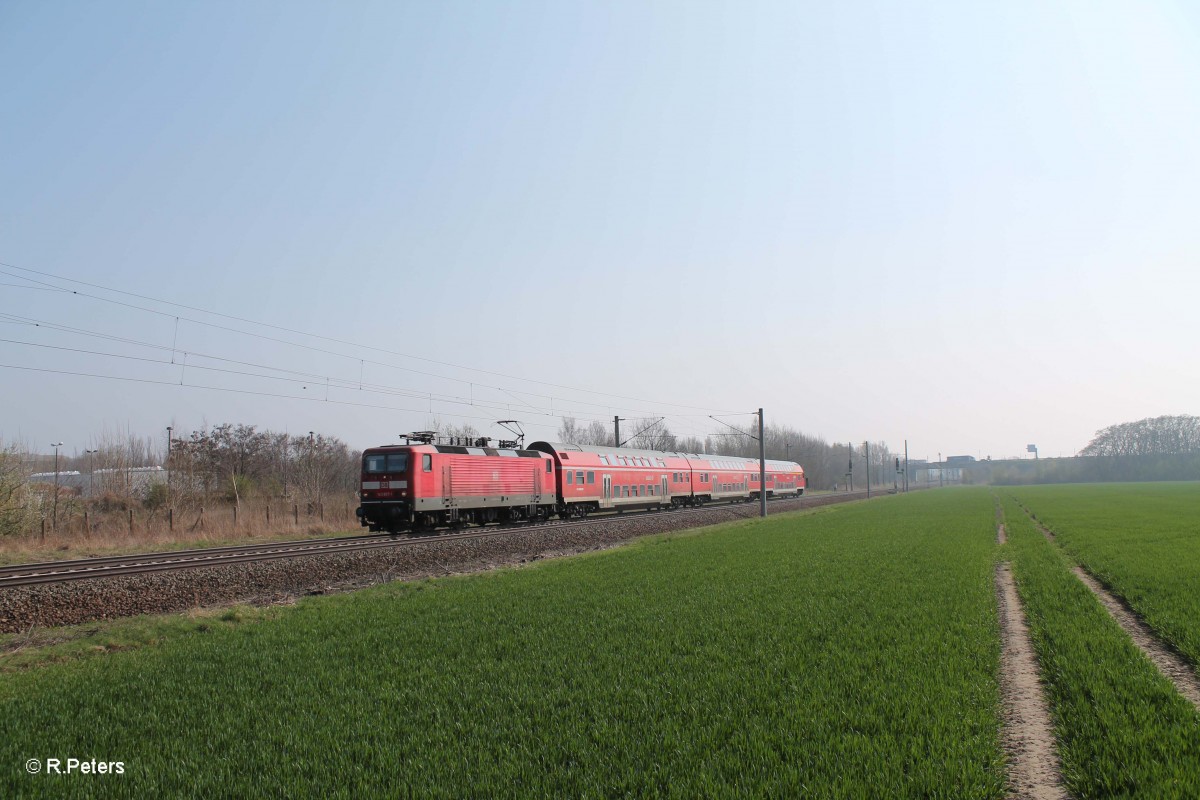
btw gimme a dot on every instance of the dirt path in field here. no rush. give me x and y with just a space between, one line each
1028 735
1001 534
1049 534
1167 661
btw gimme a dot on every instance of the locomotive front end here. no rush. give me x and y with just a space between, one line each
386 489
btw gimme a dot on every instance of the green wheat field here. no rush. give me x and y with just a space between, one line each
850 651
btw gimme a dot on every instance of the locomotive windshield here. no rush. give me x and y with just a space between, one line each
386 462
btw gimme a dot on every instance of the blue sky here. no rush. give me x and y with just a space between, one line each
967 225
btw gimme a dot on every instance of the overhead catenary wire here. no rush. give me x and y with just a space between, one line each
558 407
507 408
298 332
65 328
231 390
307 376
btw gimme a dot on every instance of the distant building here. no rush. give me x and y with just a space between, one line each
133 481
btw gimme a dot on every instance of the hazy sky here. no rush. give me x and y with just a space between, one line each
971 225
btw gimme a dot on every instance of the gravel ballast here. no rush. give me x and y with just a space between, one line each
278 581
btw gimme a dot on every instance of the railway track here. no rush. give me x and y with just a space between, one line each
112 566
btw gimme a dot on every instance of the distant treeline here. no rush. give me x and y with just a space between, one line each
1152 449
1086 469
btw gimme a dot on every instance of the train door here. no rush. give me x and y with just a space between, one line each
448 491
607 481
666 489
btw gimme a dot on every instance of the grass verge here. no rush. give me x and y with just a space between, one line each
43 646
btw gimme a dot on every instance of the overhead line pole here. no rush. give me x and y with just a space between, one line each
850 465
867 456
762 460
762 467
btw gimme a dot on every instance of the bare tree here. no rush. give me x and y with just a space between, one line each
324 464
599 434
16 507
596 433
448 431
651 434
569 431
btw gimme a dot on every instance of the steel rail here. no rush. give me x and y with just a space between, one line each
114 566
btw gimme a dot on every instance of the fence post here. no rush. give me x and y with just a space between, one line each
131 522
43 529
171 520
235 517
200 521
87 525
268 515
321 509
296 513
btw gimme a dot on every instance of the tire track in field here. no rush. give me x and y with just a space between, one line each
1049 534
1162 655
1169 662
1034 770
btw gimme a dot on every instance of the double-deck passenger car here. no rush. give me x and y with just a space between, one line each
598 478
593 478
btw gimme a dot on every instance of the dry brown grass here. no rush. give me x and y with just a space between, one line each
79 535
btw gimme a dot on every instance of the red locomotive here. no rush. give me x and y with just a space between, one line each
426 485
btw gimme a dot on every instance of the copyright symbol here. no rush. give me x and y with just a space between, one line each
33 766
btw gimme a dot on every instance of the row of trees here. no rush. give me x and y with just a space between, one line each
240 461
227 463
1153 436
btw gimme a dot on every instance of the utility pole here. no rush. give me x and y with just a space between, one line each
287 447
54 522
616 431
867 456
906 466
169 429
91 471
850 465
762 467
